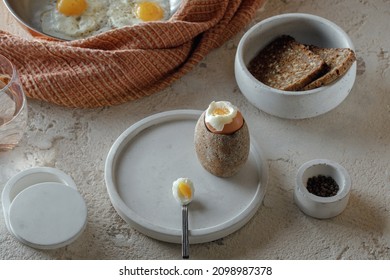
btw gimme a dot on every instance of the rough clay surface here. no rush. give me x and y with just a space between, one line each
221 155
356 134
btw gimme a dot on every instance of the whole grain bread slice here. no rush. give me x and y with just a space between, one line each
339 61
287 65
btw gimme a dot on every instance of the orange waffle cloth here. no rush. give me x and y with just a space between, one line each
126 63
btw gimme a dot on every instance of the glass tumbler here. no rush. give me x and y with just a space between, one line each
13 106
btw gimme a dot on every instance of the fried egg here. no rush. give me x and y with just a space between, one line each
75 19
130 12
183 190
223 117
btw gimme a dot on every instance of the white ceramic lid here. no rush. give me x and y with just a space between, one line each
43 209
47 215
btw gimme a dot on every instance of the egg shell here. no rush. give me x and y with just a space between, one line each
221 154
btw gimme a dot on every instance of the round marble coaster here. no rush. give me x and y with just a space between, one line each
47 215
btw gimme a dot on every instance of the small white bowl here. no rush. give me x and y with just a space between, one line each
306 29
317 206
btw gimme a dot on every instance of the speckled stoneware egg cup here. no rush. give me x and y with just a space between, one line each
220 154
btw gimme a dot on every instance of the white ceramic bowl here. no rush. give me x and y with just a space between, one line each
306 29
317 206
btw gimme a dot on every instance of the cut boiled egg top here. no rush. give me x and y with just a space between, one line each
222 117
183 190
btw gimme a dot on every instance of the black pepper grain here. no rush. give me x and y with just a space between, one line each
324 186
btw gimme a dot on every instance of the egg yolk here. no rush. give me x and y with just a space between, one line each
72 7
149 11
184 190
220 111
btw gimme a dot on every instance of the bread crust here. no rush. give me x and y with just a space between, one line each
339 61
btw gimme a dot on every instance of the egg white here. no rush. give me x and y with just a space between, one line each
100 16
92 20
218 121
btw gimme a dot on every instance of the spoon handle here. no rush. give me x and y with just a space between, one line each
184 239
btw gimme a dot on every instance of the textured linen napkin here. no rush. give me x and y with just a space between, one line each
126 63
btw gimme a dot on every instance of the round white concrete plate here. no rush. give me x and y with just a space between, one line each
145 160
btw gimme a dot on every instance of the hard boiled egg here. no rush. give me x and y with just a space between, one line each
223 117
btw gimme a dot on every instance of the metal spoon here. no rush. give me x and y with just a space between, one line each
184 238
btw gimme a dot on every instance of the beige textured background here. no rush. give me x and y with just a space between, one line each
355 134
